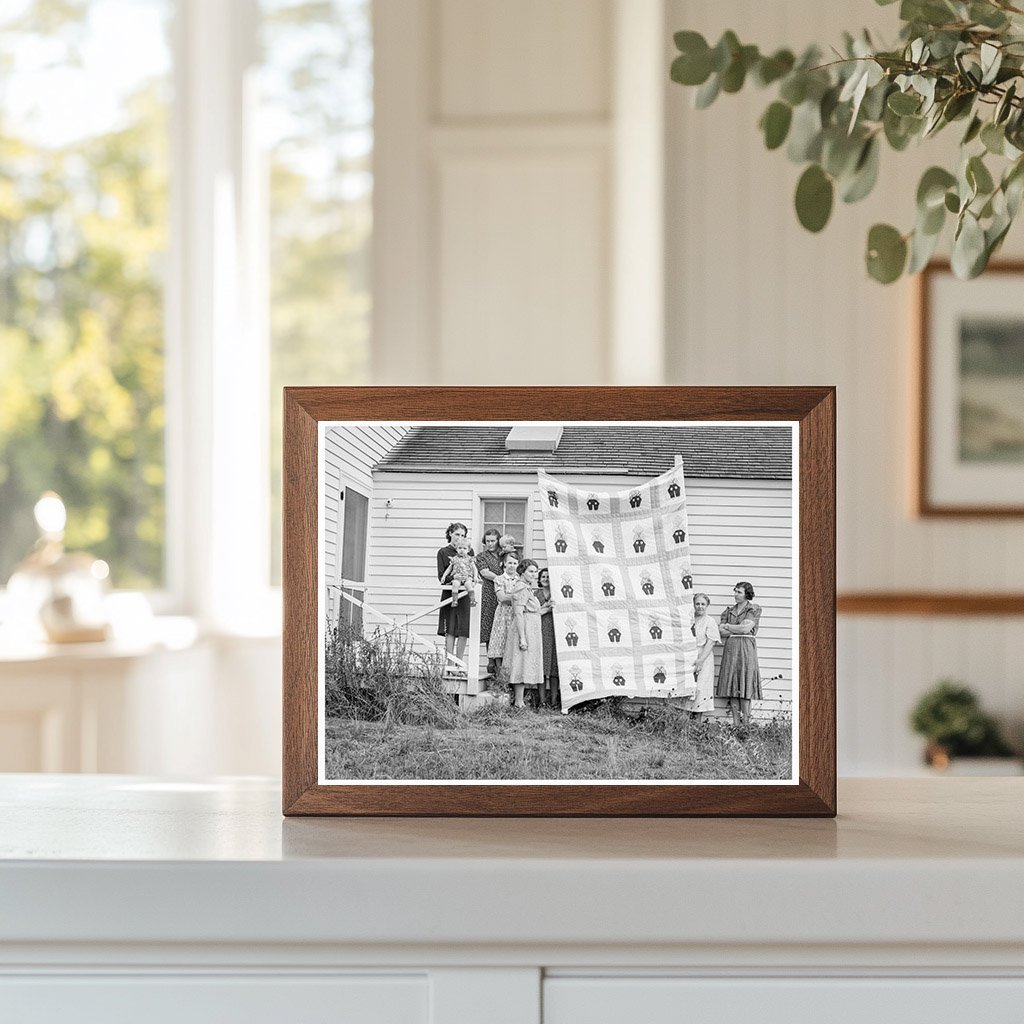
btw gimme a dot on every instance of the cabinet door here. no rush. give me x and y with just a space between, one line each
202 999
677 1000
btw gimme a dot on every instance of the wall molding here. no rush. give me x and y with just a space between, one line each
917 603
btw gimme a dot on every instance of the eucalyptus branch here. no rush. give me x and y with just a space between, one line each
834 116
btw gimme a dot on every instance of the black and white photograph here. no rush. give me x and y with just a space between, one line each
557 601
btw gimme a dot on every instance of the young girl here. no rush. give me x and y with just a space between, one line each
504 585
462 572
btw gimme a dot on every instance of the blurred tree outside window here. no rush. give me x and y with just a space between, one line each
317 125
85 92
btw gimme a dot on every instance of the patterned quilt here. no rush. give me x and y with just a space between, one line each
622 584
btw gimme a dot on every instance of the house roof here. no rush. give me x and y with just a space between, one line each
737 452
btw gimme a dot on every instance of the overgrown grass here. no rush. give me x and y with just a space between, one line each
382 678
496 742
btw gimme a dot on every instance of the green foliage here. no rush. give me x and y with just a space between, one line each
949 716
82 233
955 61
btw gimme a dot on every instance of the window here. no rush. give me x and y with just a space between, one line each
506 515
317 126
83 239
355 519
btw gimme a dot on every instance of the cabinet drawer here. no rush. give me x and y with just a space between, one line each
675 1000
202 999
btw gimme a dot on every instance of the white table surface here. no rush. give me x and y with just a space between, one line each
124 859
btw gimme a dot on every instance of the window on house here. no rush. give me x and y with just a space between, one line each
83 239
506 515
355 519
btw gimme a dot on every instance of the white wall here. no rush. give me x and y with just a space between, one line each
349 458
754 299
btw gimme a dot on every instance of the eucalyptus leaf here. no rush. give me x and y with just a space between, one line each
973 129
707 93
993 138
771 69
968 247
978 176
886 253
991 60
805 133
922 248
814 195
987 15
931 190
775 124
865 173
904 103
794 88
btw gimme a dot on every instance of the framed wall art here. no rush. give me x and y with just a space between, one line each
559 601
970 444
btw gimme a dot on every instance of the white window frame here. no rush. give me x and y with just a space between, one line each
217 353
504 495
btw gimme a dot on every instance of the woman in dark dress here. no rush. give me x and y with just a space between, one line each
549 698
739 677
452 623
489 565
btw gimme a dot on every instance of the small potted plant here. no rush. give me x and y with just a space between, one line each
618 679
614 634
679 535
655 630
598 544
567 588
607 586
561 545
553 498
592 503
950 718
687 581
673 490
575 683
647 584
639 544
659 676
635 499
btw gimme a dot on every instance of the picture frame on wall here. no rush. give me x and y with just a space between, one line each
559 601
970 386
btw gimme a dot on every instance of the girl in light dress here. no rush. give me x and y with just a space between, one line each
705 629
524 649
504 585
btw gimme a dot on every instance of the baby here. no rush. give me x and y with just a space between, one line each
462 572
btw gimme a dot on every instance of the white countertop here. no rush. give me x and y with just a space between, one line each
121 859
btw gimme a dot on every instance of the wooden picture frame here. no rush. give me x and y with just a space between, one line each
948 483
812 791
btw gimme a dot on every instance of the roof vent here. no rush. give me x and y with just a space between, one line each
537 437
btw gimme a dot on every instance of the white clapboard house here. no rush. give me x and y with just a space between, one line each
391 490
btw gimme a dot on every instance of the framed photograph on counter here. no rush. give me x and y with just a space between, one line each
559 601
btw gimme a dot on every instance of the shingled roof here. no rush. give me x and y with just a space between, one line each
713 451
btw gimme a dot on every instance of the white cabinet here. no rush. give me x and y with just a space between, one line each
823 1000
133 898
201 999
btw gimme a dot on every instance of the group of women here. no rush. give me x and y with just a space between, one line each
518 629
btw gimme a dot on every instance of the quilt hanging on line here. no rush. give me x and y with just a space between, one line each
622 585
